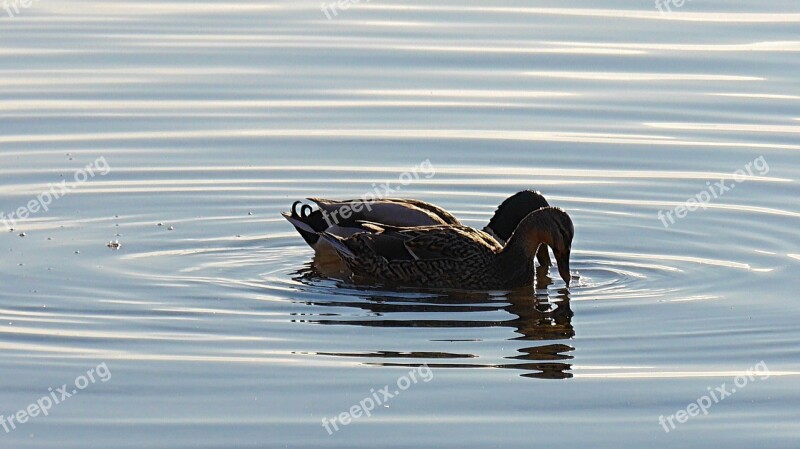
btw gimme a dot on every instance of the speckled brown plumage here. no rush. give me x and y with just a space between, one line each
456 256
343 218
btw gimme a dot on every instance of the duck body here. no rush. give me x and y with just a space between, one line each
344 218
455 256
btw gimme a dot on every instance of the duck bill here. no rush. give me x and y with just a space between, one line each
563 268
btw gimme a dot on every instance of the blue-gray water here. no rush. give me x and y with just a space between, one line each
210 118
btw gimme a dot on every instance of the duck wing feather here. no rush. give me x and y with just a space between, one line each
428 242
396 212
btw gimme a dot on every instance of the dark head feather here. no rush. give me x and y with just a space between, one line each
511 212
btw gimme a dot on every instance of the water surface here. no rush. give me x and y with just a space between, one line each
203 121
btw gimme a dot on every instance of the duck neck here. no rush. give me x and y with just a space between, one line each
514 265
516 259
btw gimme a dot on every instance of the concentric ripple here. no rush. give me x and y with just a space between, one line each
236 257
176 268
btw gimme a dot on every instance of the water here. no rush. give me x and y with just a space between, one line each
212 118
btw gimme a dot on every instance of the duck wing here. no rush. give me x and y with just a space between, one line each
395 212
446 217
427 242
434 256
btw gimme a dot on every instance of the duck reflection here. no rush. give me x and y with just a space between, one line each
538 315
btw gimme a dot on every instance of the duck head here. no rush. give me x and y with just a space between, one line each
550 226
512 211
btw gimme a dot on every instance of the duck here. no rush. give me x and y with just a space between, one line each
344 218
456 256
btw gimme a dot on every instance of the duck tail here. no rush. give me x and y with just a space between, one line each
308 223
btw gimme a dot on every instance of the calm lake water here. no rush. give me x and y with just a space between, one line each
200 122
